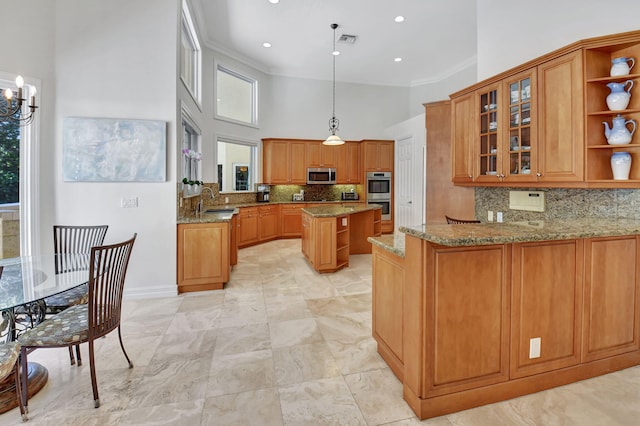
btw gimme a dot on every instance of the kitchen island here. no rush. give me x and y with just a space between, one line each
331 233
478 313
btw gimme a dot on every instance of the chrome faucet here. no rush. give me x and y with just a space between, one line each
199 206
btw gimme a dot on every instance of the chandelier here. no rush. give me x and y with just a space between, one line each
334 139
12 107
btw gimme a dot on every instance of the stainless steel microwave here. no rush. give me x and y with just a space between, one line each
321 175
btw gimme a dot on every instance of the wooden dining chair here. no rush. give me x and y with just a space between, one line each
68 241
453 220
9 353
87 322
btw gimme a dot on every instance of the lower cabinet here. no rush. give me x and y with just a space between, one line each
203 256
291 220
325 242
269 226
546 309
248 220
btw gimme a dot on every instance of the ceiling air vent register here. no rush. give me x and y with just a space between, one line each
347 39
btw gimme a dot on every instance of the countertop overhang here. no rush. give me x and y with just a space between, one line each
459 235
335 211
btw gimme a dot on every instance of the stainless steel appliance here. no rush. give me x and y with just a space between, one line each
262 193
378 191
321 175
351 196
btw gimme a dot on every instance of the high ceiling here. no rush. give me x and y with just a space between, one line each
437 38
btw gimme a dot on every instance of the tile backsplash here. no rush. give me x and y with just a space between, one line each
562 203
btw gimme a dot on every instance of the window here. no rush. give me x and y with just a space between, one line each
236 165
191 152
190 54
236 97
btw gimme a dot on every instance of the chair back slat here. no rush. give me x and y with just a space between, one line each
107 271
69 241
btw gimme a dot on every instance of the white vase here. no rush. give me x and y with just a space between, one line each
620 165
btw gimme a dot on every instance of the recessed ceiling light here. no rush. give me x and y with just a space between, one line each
335 52
266 44
399 18
274 1
398 59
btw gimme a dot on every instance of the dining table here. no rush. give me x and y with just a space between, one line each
25 284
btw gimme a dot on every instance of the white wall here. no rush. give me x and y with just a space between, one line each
441 89
118 59
513 32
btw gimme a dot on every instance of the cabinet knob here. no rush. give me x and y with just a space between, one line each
538 174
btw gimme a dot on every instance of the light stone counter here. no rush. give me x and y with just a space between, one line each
335 211
393 243
222 215
518 232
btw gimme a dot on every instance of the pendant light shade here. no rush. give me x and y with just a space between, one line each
334 139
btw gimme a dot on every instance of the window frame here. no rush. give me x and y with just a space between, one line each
192 83
253 164
191 166
254 96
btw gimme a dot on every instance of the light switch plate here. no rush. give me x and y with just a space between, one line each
532 201
534 347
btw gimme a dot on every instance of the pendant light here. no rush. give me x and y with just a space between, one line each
334 139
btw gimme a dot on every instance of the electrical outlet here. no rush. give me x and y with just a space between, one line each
127 203
534 347
490 215
344 221
499 216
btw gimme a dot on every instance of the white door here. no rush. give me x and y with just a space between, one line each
409 182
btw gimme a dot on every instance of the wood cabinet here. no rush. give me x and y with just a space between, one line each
597 71
560 135
203 256
377 155
463 138
320 155
284 161
325 242
248 226
546 305
291 220
388 281
554 136
348 164
269 222
308 230
612 297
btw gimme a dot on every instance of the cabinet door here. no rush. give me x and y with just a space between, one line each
275 161
369 156
291 220
307 231
520 120
611 314
325 243
269 221
248 221
463 136
296 163
385 156
546 305
314 154
467 289
203 254
488 134
560 111
348 163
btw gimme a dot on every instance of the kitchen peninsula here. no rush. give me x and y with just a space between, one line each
467 315
331 233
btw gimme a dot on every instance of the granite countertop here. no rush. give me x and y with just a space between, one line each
393 243
334 210
220 215
517 232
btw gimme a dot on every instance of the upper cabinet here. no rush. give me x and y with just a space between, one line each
545 122
320 155
284 162
377 156
348 163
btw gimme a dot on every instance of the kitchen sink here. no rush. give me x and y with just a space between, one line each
220 211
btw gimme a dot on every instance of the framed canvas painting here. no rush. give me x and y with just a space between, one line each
114 150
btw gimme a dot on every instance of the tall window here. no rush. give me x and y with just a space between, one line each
236 165
191 153
236 97
9 161
190 54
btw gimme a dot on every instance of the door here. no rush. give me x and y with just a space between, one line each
409 181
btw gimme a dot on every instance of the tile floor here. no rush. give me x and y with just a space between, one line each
281 345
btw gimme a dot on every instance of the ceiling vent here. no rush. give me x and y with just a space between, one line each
347 39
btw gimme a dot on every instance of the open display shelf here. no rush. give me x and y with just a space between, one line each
342 241
598 151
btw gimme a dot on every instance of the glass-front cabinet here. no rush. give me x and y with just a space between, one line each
520 142
488 155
